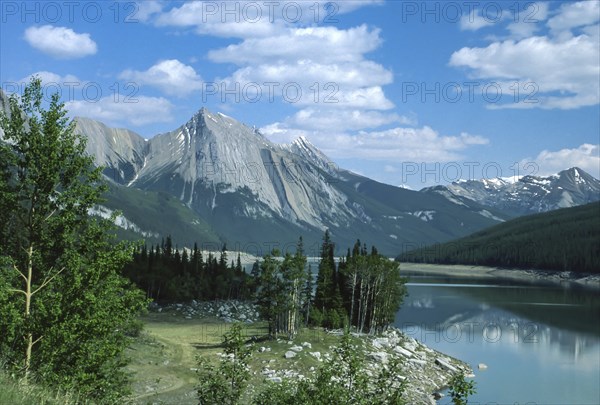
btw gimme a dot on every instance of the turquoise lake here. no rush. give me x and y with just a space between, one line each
540 342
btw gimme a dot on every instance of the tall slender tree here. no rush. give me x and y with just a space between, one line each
65 306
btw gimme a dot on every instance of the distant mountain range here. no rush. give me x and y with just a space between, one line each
216 180
528 195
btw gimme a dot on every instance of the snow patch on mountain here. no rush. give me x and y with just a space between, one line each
527 195
488 214
120 221
423 215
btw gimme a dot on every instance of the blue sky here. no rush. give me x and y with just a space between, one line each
404 92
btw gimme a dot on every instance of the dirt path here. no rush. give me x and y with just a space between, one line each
168 376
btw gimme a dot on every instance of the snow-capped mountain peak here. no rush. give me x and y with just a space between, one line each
527 194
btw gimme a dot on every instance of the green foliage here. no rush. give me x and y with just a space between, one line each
14 393
316 317
327 295
365 290
158 213
562 240
460 389
168 275
225 384
65 306
341 380
278 291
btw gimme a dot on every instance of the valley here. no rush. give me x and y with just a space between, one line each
367 202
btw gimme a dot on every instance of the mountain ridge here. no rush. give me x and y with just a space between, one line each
216 179
527 195
251 190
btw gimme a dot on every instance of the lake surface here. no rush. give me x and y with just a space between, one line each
541 342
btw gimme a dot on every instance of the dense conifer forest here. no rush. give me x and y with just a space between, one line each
563 240
363 289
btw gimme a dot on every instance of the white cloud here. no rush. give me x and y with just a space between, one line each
147 9
171 76
60 42
281 133
306 72
565 72
139 111
586 157
564 67
401 143
475 21
573 15
525 24
327 65
322 70
343 120
53 78
324 44
249 18
212 18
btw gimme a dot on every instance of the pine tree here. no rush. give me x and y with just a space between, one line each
307 294
268 293
325 275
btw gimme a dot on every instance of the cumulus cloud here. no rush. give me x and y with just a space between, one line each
283 55
565 68
325 44
573 15
326 66
212 18
139 111
170 76
586 157
60 42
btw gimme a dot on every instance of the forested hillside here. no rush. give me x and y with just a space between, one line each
563 240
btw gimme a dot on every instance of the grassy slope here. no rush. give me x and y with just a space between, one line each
566 239
12 393
161 213
164 357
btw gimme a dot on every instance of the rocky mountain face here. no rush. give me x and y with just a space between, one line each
253 193
217 180
528 195
120 151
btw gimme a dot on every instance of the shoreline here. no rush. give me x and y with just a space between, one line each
562 278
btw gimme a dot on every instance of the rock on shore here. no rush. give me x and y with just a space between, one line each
227 311
426 370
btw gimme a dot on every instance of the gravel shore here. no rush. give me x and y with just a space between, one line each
564 278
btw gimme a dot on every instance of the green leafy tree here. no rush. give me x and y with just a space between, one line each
225 384
461 389
65 307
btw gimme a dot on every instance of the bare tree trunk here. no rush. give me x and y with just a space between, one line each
28 296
